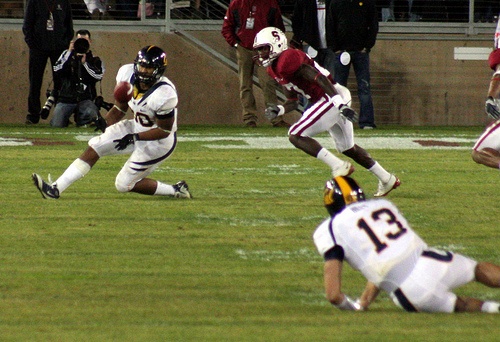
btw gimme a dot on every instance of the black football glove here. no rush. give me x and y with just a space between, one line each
349 113
491 108
100 123
125 141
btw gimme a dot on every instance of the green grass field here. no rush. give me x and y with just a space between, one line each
236 263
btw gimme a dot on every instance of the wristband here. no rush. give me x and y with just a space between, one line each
121 110
136 137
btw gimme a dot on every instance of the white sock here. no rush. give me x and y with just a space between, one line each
163 189
380 172
490 307
329 158
77 170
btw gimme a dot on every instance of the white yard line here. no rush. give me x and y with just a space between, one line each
245 141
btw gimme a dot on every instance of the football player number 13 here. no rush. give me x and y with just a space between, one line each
391 220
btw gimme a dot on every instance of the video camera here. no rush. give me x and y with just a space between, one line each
81 46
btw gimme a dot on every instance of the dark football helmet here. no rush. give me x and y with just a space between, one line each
150 57
340 192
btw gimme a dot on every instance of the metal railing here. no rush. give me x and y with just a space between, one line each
470 17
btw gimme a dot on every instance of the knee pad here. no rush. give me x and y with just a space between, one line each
122 186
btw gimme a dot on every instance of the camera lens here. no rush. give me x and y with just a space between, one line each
81 45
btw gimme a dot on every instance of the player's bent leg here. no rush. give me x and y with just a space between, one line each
306 144
467 304
89 156
488 274
360 156
146 186
487 156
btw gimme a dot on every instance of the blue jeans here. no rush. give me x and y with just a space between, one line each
361 64
86 112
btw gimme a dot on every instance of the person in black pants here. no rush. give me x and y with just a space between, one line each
48 30
353 28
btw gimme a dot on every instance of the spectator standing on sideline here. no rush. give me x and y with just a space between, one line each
374 238
486 150
150 138
309 31
353 28
329 110
79 71
48 30
243 20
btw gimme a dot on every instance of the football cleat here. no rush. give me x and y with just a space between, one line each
181 190
47 190
345 170
385 188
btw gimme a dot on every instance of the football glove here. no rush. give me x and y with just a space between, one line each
100 123
273 111
491 108
349 113
128 139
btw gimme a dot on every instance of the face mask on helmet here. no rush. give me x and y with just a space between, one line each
274 39
151 57
340 192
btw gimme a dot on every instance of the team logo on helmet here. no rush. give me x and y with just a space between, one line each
150 57
273 38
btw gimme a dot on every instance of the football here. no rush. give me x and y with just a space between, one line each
123 92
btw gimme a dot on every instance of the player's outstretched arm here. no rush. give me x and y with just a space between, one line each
332 278
369 295
116 113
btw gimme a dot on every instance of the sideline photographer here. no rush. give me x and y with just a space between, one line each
79 70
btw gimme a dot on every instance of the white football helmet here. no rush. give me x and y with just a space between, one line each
275 39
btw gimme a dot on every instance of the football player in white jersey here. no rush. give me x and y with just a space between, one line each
149 138
374 238
486 150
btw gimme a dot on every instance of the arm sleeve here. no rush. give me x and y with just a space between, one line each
230 27
372 26
297 22
163 101
335 253
494 59
95 68
29 23
289 63
275 19
62 66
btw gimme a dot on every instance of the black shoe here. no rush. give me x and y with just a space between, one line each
32 119
251 124
47 190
